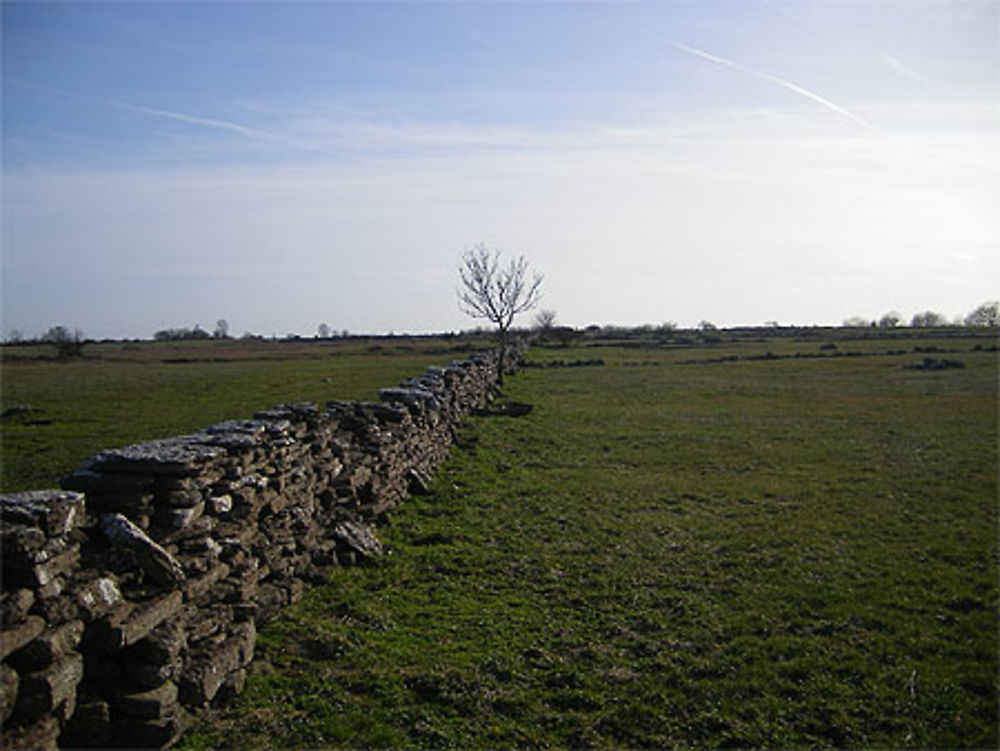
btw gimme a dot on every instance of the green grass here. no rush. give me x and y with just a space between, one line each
124 393
786 553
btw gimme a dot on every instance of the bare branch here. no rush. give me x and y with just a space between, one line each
494 292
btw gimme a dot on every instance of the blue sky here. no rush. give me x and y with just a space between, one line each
282 165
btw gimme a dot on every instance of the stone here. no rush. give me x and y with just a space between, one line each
8 691
12 639
53 588
155 561
148 675
235 435
358 538
55 512
86 481
90 725
196 588
178 517
129 732
269 599
417 484
153 704
203 546
243 582
41 692
182 455
182 498
44 573
20 540
15 605
56 610
133 505
48 647
292 412
220 504
162 644
295 588
97 597
40 736
410 396
232 686
204 674
134 623
200 527
206 623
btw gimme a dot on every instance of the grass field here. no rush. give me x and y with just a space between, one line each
753 553
121 393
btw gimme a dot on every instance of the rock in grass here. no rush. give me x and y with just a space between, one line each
358 538
931 363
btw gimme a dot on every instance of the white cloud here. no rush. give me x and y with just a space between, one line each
738 220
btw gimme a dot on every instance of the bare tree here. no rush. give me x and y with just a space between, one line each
323 331
495 291
221 329
544 321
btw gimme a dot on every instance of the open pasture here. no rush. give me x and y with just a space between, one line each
122 393
780 552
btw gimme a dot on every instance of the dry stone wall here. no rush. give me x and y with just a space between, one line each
131 597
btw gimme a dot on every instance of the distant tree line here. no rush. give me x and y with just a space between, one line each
67 343
193 333
987 314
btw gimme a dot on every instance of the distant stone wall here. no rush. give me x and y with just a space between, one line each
133 595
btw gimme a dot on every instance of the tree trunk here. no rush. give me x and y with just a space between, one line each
501 362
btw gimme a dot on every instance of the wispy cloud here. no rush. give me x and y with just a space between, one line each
225 125
791 86
165 114
893 62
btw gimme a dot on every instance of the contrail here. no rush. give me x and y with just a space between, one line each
211 123
171 115
774 79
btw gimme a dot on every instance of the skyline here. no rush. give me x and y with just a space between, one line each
279 166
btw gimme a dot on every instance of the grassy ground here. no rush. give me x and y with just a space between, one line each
759 553
121 393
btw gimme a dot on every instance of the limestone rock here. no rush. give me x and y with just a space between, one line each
55 512
156 561
358 538
48 647
41 692
8 691
12 639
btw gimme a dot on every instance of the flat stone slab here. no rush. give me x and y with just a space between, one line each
410 395
297 411
172 456
236 434
55 512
